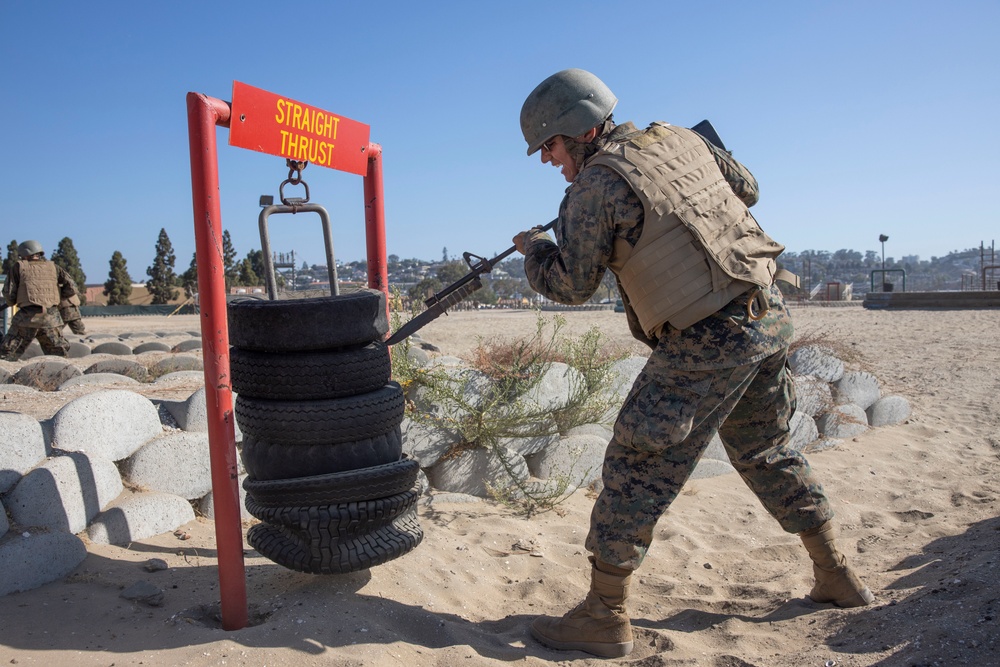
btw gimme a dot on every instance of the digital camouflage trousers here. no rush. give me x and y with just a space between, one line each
19 337
664 427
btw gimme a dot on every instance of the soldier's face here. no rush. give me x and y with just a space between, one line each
554 152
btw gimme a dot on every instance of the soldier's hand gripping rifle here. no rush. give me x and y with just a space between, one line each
439 303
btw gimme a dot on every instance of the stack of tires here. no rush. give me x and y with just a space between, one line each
321 432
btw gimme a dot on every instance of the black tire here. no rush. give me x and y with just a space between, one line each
267 461
379 481
322 422
296 325
332 556
309 375
345 520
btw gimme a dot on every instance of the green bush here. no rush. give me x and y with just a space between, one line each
486 401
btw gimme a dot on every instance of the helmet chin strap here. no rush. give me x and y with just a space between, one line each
580 152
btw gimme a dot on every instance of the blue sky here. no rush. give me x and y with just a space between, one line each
857 118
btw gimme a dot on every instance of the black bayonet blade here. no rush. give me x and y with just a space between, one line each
414 325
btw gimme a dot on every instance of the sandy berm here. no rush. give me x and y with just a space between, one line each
723 586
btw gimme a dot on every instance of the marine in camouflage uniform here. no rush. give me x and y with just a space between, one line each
725 373
69 309
33 320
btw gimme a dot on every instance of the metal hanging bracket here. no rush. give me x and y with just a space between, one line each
295 168
294 205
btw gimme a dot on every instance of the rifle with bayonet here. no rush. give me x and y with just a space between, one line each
439 303
452 294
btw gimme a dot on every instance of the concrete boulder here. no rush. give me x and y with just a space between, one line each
138 515
45 374
711 468
142 335
427 443
32 351
180 376
578 459
22 447
812 394
714 461
174 363
207 504
600 430
64 492
417 356
191 414
624 372
857 387
108 379
176 463
189 345
112 424
803 431
445 361
466 389
33 559
531 434
99 337
78 350
127 367
112 347
555 387
888 411
843 421
818 361
150 346
473 470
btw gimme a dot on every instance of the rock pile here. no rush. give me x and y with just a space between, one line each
116 467
833 405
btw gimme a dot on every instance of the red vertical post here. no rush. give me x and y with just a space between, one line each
204 114
378 270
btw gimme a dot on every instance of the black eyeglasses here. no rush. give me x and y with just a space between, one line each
547 145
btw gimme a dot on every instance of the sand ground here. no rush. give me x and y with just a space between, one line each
723 586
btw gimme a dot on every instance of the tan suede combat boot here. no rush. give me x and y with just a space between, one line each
599 625
835 582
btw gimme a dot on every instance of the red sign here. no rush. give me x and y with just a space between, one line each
269 123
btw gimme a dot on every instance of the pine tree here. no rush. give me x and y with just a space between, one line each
118 287
161 273
11 257
248 276
189 279
229 266
256 258
66 257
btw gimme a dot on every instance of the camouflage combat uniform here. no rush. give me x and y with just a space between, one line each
71 317
69 309
32 321
724 374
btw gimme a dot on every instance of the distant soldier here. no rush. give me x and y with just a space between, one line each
35 286
69 309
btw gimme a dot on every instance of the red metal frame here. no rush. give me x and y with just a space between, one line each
204 114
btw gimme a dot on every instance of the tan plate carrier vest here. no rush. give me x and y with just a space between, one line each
39 284
700 247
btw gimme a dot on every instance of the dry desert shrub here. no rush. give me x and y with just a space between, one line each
511 368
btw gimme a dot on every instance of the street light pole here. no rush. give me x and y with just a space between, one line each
883 238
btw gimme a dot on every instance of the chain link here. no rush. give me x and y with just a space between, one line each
295 168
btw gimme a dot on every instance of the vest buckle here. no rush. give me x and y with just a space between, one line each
757 305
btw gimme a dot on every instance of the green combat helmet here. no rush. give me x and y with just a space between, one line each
569 102
29 248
